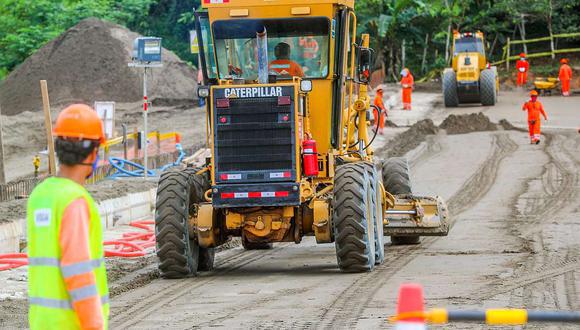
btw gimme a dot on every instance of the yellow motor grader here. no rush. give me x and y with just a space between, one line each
291 154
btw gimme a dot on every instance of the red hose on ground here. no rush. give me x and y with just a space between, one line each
13 260
131 245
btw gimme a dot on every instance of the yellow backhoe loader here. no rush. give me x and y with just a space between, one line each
290 149
471 79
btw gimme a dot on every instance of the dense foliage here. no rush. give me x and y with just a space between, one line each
421 26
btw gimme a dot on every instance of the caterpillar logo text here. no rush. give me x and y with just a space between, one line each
250 92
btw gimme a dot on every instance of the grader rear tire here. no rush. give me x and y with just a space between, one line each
353 220
177 195
398 182
450 89
396 176
488 87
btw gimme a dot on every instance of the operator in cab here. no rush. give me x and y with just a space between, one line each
283 65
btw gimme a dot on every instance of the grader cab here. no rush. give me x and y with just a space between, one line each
471 79
290 151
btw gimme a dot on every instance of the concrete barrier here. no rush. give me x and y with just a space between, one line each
10 233
114 212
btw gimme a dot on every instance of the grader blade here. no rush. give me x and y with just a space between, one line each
417 216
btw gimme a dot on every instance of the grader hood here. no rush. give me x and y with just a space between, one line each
409 215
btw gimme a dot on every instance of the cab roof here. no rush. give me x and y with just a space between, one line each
254 3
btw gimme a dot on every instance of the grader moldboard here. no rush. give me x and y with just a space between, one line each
471 79
290 156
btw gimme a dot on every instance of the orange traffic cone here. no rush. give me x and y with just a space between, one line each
410 308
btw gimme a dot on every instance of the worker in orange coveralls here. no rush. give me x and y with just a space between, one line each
523 67
67 278
534 109
407 82
565 76
379 111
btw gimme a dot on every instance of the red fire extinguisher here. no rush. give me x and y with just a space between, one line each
310 158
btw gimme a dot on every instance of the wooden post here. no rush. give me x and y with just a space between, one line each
507 59
136 142
48 125
2 173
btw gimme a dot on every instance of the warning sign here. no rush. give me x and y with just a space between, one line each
193 42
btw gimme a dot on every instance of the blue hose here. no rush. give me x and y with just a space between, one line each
122 166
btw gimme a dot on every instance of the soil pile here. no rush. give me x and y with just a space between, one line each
88 63
409 139
468 123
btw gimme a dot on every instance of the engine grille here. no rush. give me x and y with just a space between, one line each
254 140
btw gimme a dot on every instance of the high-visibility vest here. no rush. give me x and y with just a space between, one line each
50 302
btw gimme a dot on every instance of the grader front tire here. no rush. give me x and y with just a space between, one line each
353 218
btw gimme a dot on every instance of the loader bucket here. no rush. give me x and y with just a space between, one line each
417 216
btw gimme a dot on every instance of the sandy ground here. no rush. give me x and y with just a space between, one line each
513 243
25 135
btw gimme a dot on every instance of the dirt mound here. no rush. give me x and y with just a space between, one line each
88 63
409 139
468 123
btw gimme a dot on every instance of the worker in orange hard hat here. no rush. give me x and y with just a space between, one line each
534 109
67 278
565 76
283 65
408 83
379 111
523 67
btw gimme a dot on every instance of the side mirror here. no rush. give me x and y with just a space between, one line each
364 63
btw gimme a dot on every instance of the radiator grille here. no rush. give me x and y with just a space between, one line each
255 136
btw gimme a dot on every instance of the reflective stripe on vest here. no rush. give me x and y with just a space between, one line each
58 303
68 270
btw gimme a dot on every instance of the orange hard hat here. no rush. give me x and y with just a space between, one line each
534 93
79 121
522 54
564 61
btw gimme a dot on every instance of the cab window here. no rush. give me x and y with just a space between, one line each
295 47
468 45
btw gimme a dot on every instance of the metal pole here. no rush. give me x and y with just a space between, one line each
145 106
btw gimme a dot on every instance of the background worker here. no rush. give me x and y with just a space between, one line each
283 65
523 67
36 164
534 109
310 52
67 277
407 82
565 76
379 111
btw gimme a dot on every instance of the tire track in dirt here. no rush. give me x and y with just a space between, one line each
558 189
352 301
174 289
